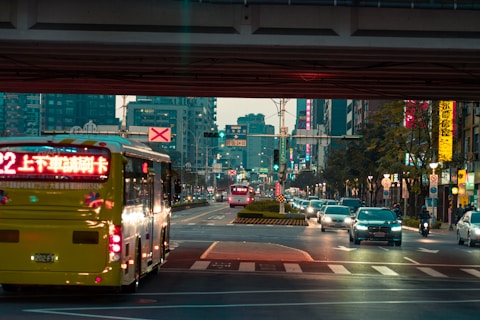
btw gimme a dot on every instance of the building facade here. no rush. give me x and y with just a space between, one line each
63 111
188 119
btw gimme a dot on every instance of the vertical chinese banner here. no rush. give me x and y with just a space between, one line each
462 191
445 132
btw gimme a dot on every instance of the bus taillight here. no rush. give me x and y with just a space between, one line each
115 243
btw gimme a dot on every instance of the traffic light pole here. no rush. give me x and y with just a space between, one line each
283 151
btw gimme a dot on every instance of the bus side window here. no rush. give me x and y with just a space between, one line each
158 200
136 183
167 183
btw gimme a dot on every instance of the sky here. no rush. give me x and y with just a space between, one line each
229 109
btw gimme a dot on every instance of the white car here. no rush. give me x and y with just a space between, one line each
468 228
335 217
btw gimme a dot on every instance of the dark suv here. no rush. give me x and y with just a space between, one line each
352 203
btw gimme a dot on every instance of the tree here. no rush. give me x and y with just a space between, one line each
305 178
389 144
404 149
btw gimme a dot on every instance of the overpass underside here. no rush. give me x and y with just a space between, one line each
209 48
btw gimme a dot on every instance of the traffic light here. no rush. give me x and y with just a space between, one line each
210 134
177 186
276 160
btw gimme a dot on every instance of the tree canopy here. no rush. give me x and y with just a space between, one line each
399 138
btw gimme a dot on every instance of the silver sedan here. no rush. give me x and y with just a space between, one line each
468 228
335 217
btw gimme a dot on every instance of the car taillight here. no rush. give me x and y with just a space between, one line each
115 243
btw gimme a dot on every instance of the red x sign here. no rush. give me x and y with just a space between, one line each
159 135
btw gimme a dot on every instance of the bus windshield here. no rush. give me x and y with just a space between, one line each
239 190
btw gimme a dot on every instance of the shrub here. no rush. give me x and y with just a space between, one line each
269 206
414 223
269 209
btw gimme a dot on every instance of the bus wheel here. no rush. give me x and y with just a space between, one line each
164 250
163 254
133 287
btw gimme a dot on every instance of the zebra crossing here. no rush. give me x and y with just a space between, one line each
438 272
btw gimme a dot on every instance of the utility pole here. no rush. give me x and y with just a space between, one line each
123 128
283 134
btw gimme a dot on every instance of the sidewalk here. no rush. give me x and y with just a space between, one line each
445 228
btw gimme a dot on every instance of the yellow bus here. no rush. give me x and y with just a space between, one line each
82 210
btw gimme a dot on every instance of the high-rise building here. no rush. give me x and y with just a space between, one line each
64 111
20 114
311 122
260 148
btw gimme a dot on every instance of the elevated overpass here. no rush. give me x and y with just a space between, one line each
425 49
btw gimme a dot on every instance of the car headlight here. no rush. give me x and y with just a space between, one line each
477 231
327 219
347 220
397 228
361 227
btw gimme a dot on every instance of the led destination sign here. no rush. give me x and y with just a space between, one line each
45 166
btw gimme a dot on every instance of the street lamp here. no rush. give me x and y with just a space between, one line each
370 188
433 166
433 187
386 183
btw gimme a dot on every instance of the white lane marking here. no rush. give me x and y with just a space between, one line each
427 250
432 272
338 269
343 248
473 272
200 215
247 266
292 267
411 260
386 271
200 265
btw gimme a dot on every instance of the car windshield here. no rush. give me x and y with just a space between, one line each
351 202
337 210
316 204
475 217
375 215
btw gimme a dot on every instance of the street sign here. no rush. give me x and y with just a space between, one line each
236 135
433 186
386 194
283 150
159 134
217 168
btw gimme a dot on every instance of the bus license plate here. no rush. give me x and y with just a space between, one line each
44 257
